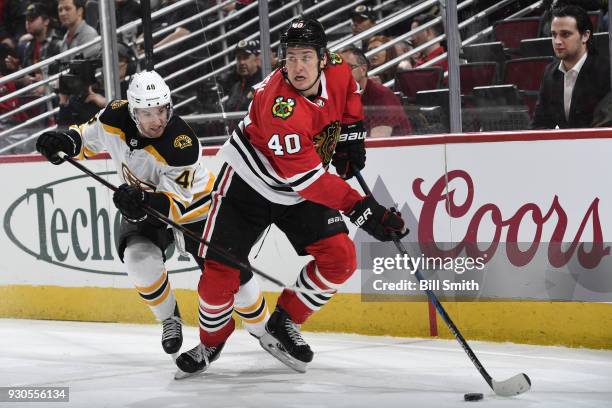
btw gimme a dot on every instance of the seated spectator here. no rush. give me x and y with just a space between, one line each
425 36
573 85
401 48
381 57
44 43
78 32
362 18
248 68
384 114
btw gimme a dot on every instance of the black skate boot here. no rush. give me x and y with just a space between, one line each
284 341
172 335
197 360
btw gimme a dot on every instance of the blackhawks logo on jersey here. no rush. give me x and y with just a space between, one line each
118 104
182 141
283 108
334 58
325 142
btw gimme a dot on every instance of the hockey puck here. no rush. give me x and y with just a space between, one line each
473 396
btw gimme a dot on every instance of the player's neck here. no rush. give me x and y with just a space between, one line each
313 91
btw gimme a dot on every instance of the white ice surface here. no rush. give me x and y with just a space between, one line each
122 365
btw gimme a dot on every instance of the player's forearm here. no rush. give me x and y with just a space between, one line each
333 192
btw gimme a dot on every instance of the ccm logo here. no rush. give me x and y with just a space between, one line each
363 217
352 136
333 220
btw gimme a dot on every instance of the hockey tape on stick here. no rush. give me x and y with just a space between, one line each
515 385
226 256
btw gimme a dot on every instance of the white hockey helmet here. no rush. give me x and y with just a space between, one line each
148 89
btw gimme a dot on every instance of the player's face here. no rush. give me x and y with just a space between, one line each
152 121
569 45
303 69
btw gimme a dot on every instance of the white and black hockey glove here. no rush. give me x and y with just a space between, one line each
49 144
378 221
350 150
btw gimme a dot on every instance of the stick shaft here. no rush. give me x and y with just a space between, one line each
227 257
433 298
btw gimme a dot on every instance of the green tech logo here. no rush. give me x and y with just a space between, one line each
73 224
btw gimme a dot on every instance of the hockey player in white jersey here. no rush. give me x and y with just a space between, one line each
157 156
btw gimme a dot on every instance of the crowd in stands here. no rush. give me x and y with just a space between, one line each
32 31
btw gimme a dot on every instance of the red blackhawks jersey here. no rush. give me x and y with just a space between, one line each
283 146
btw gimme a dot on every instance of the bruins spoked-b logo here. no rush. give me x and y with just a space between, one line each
182 141
118 103
283 108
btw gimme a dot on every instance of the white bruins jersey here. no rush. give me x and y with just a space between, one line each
169 164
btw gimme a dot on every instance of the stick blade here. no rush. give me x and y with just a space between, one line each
516 385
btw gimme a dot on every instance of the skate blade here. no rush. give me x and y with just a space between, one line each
181 375
271 345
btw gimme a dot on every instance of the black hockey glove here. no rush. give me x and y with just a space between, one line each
377 220
350 150
129 201
52 142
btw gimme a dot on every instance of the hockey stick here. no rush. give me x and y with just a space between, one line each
515 385
226 256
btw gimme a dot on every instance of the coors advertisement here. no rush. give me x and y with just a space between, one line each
509 220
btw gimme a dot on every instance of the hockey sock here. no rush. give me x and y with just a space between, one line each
217 286
334 263
250 305
146 269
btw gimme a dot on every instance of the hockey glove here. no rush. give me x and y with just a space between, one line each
129 200
52 142
350 150
377 220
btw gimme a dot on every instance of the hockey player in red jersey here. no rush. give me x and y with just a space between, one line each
303 116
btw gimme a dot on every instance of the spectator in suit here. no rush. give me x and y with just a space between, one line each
575 83
384 114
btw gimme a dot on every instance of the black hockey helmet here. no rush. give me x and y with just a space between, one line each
304 31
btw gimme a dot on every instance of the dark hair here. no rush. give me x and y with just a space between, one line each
359 55
583 22
80 4
424 18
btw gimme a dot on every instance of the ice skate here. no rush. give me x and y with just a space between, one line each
284 341
172 334
196 361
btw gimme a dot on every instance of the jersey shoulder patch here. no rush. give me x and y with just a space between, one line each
335 59
115 114
179 145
